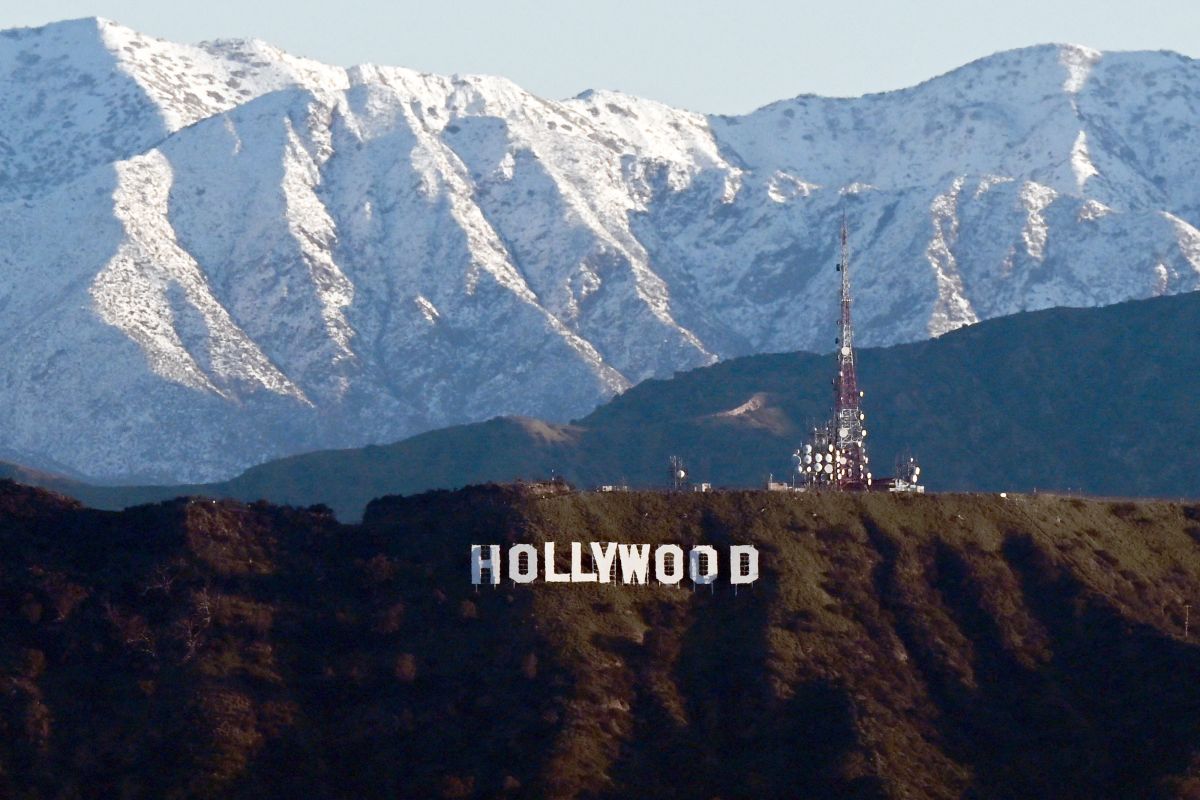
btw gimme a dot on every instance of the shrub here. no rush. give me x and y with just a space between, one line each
406 668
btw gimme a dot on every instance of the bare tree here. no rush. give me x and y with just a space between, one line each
132 630
162 579
190 629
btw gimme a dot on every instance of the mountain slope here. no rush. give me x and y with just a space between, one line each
893 647
220 254
1099 401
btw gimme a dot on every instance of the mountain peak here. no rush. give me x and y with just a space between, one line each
376 252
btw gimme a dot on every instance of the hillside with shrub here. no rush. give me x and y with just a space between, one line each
895 646
1098 400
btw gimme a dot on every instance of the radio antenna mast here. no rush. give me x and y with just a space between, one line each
849 433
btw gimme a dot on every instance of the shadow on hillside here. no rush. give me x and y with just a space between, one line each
1110 713
1133 689
738 738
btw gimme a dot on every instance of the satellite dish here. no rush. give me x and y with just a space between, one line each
844 433
829 468
845 350
808 448
807 459
681 474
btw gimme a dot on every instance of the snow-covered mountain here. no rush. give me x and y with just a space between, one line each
218 254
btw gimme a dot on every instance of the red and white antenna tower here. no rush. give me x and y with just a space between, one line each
849 434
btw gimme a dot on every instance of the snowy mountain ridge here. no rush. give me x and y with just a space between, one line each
218 254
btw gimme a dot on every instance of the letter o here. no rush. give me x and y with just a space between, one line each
709 575
660 563
528 575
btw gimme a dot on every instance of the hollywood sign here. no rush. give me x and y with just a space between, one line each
632 562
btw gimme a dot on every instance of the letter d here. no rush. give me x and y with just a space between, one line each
743 563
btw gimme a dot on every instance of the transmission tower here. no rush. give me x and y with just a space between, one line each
849 434
679 474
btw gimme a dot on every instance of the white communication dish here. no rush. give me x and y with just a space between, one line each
843 432
845 351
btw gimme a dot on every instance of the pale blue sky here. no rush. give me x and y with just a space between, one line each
722 57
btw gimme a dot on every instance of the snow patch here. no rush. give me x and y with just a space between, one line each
1007 265
190 83
1078 61
1092 210
1081 162
1188 239
443 173
988 181
733 185
782 187
133 291
314 232
1162 279
1035 198
952 309
428 309
505 169
231 129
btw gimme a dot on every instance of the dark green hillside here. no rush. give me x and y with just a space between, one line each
1100 400
896 646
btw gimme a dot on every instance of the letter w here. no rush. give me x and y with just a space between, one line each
635 562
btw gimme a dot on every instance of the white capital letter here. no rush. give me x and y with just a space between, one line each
743 563
635 561
479 563
604 559
551 575
515 573
660 563
709 575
